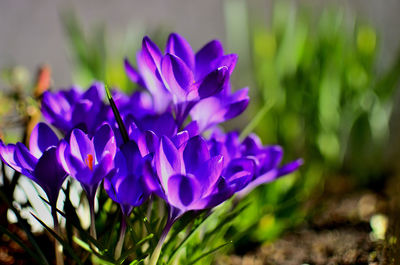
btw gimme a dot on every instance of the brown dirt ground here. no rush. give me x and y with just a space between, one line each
339 232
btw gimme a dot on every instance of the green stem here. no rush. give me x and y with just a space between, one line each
57 245
256 120
92 219
120 244
156 253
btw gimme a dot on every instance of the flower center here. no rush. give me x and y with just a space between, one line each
89 161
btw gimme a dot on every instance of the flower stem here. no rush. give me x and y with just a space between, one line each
57 245
118 248
156 253
92 217
257 119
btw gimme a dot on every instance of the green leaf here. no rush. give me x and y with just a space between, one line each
109 240
136 262
73 219
76 223
56 236
82 244
133 249
145 239
99 260
117 116
186 239
209 253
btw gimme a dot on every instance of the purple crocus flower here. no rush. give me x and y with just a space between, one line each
268 160
126 186
40 162
189 177
89 160
138 104
160 124
249 163
180 76
220 107
138 116
149 61
71 109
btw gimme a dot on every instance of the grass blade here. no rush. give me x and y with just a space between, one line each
186 239
117 116
209 253
57 237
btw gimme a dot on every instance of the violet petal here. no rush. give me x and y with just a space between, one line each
178 46
42 137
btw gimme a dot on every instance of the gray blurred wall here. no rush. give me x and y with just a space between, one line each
31 32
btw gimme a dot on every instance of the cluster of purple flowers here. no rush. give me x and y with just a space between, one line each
183 94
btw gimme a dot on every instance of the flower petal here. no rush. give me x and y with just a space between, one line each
131 72
56 109
152 79
42 137
232 144
133 158
102 169
80 145
205 56
220 193
182 191
209 174
25 159
121 163
178 78
151 180
104 142
178 46
168 161
290 167
129 190
95 93
163 124
8 156
251 145
80 113
208 112
270 157
62 153
180 138
152 53
213 82
192 128
147 143
84 176
195 154
238 103
49 174
265 178
73 164
228 61
239 165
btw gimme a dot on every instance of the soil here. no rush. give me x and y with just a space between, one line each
13 253
347 226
